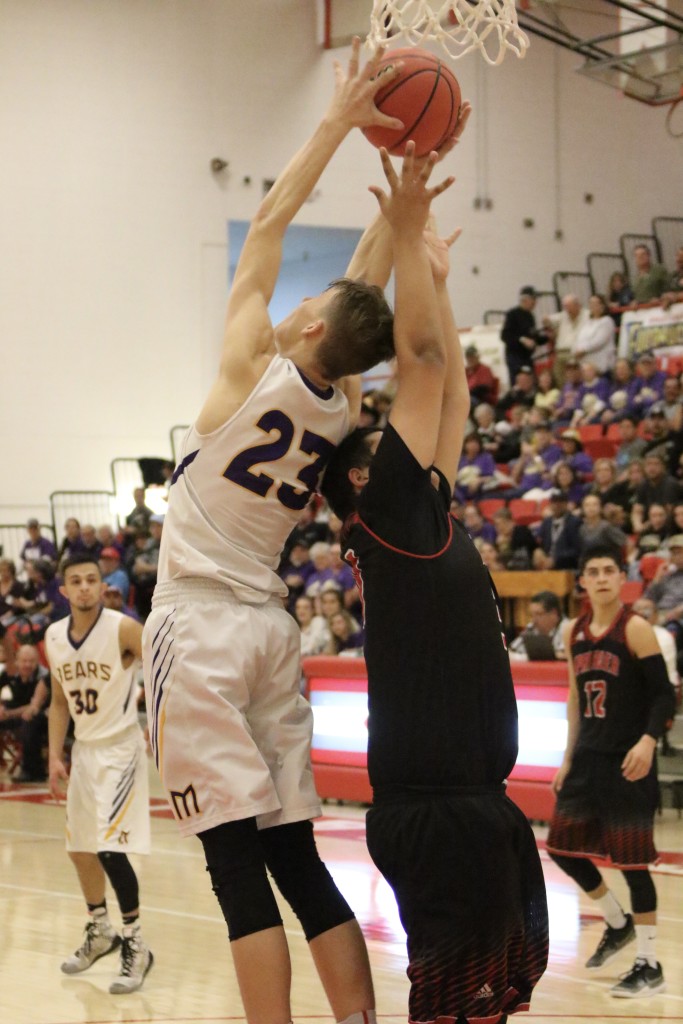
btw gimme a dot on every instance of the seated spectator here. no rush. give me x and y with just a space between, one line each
593 396
515 543
295 571
23 711
139 517
113 598
595 530
71 542
666 589
630 447
112 573
662 439
673 406
485 425
595 340
570 393
108 539
308 529
651 279
646 608
91 544
533 470
509 435
659 488
656 531
674 291
477 470
522 392
476 525
489 555
36 546
548 394
10 590
650 388
565 326
43 601
573 453
605 483
482 384
566 481
321 557
619 294
347 638
330 601
558 536
144 572
315 633
622 391
547 619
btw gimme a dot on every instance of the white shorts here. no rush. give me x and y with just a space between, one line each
230 731
107 801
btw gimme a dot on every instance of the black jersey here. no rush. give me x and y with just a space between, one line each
442 709
614 696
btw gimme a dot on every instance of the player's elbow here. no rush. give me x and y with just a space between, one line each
424 348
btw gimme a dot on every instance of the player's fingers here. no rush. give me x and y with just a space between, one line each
354 59
388 167
379 195
408 165
385 121
453 237
438 189
463 118
428 166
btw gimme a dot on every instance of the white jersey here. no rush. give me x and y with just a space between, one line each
99 690
238 492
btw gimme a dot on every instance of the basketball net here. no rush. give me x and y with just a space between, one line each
460 26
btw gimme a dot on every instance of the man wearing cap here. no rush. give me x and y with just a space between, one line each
518 333
650 384
522 392
112 573
662 438
666 589
558 536
566 326
482 384
573 453
37 546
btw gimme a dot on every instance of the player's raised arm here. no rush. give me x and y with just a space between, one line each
352 106
418 333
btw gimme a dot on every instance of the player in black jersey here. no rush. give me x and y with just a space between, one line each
442 729
620 699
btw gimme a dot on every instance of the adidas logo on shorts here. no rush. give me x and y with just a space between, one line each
485 992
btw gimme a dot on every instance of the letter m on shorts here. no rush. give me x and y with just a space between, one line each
185 803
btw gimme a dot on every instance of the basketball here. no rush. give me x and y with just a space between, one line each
425 96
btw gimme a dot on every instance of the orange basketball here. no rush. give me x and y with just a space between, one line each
425 95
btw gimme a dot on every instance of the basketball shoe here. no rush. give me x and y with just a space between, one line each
136 962
99 939
641 980
613 939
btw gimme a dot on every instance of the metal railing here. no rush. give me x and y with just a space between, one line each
669 234
573 282
95 508
601 266
627 244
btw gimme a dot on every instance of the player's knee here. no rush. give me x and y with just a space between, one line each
124 881
642 890
580 869
302 878
235 862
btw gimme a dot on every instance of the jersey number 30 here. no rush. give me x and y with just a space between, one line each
596 691
240 469
85 700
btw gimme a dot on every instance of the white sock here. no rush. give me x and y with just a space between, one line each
129 930
362 1017
100 915
646 937
611 909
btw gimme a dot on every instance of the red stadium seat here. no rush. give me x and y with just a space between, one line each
487 506
613 433
590 432
648 566
631 590
600 448
523 511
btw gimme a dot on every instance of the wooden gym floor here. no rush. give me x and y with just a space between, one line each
192 981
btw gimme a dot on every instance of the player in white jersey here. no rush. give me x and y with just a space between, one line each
93 657
229 729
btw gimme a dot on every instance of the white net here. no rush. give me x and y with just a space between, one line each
460 26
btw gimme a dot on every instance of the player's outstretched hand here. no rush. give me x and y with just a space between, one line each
407 205
453 140
438 250
638 760
58 779
353 103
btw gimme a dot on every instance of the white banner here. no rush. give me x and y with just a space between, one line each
652 330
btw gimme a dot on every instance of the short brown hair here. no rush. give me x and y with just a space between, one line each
360 330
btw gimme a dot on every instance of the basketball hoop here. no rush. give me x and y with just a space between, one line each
460 26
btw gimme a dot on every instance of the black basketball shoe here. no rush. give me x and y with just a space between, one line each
641 980
612 941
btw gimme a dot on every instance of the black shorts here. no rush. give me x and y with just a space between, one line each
599 813
470 892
